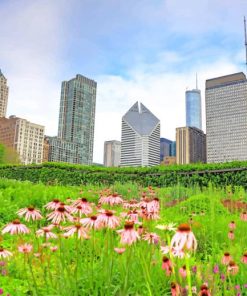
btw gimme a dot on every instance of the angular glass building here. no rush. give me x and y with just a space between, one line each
193 108
74 143
140 140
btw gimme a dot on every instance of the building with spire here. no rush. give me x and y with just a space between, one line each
193 108
4 93
140 139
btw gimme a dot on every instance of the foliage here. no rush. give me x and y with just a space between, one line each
8 155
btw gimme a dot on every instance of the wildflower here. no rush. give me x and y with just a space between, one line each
84 204
216 269
165 249
167 265
107 219
151 238
132 204
175 289
243 216
15 227
226 258
231 235
133 216
60 214
177 252
204 291
30 213
232 268
140 230
54 248
244 258
115 199
193 289
169 227
81 231
182 271
4 253
46 232
119 250
25 248
222 277
1 291
52 205
194 269
79 210
91 222
128 235
232 225
184 238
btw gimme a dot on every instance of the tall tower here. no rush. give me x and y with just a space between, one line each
140 141
226 118
193 108
77 115
4 92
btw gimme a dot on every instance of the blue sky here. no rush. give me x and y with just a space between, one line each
136 50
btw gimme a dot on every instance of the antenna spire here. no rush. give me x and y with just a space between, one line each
245 42
196 81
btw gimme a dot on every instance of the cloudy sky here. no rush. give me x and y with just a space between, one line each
145 50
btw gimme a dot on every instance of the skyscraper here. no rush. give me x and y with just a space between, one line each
74 142
4 92
190 145
140 141
165 148
193 108
112 152
226 118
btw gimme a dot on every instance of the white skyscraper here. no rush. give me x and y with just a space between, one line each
226 118
112 151
140 141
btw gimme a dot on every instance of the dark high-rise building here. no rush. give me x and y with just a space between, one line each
74 142
165 148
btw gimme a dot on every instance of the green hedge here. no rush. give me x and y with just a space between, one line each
234 173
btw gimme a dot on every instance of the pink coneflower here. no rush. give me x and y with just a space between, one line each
46 232
177 252
182 271
84 204
54 248
166 265
204 291
107 219
232 268
132 204
128 234
243 216
226 258
133 216
151 238
165 249
231 235
232 225
184 238
91 222
15 227
25 248
30 213
115 199
140 230
79 210
4 253
77 228
244 258
60 214
175 289
119 250
52 205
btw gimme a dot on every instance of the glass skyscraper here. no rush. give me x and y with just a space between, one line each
193 108
74 142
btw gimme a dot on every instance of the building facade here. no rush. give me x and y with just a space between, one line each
226 118
190 145
140 139
74 143
4 93
26 138
193 108
112 152
165 148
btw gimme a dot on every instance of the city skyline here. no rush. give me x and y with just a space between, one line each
150 54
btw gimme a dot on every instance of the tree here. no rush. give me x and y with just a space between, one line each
8 155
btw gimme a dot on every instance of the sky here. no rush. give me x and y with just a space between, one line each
141 50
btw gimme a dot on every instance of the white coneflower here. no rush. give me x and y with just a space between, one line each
184 238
